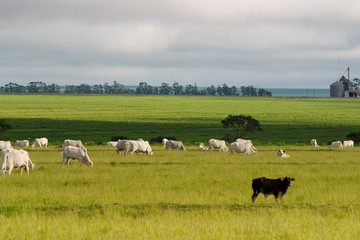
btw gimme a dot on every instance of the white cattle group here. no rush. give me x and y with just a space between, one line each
74 149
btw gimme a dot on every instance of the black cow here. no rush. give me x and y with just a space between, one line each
266 186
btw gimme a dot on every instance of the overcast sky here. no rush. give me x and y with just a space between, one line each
277 43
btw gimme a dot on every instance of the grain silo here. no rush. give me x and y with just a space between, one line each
337 89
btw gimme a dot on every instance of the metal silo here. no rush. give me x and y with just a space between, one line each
337 89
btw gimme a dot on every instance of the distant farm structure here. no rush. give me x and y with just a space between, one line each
344 87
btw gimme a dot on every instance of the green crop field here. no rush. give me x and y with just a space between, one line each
189 118
190 194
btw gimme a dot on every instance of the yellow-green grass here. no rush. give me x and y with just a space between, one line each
96 118
183 195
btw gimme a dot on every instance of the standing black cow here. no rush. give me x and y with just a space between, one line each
266 186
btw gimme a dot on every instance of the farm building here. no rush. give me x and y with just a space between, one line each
344 88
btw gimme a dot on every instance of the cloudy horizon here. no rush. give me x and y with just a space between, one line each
288 44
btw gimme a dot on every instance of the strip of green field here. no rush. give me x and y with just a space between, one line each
192 119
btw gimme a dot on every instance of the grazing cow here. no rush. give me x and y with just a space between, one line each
5 145
253 149
22 143
39 142
111 144
314 143
174 145
73 143
281 153
242 147
348 143
202 147
123 146
12 158
140 146
335 144
266 186
79 153
217 144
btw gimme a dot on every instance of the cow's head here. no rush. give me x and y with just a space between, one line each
288 180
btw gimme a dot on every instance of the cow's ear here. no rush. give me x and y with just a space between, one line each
292 179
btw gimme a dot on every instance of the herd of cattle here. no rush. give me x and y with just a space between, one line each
74 149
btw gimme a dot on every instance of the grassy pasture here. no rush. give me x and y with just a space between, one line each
189 118
183 195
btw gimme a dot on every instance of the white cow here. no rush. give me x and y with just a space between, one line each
281 153
39 142
314 143
335 144
73 143
253 149
22 143
202 147
348 143
5 145
12 158
242 147
123 146
111 144
217 144
79 153
164 142
175 145
140 146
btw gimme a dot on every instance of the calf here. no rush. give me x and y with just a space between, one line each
266 186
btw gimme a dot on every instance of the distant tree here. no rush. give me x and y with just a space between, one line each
241 124
97 89
248 91
70 89
145 88
264 92
219 91
14 88
177 88
4 126
346 82
83 89
191 90
165 89
53 88
211 90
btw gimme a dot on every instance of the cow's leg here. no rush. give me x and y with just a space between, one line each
254 196
10 169
67 161
63 160
276 197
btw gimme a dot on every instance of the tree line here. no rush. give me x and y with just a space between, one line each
143 88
